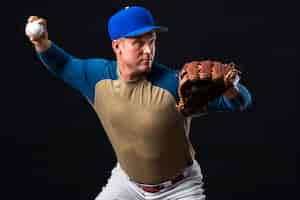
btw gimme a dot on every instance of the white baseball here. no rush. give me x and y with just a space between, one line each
34 29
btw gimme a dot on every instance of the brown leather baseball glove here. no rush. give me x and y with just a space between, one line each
201 82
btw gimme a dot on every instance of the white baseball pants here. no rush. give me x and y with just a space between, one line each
120 187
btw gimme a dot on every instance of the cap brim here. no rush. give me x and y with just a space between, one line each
146 30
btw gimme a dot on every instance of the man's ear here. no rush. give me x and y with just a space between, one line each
116 46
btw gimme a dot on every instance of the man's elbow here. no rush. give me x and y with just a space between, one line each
247 104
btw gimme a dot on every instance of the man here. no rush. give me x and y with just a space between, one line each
136 100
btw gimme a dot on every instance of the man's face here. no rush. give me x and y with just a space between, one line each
137 53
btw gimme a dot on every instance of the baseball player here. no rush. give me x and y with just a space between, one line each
140 105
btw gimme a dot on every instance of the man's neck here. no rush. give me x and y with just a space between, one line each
128 75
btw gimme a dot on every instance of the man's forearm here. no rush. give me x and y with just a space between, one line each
54 57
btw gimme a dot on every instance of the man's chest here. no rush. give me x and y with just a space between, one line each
125 106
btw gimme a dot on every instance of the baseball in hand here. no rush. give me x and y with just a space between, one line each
34 29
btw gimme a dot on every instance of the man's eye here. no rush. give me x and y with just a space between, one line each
139 43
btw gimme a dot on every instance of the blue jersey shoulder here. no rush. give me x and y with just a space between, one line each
164 77
100 69
97 70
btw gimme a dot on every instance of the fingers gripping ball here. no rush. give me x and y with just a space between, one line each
201 82
34 29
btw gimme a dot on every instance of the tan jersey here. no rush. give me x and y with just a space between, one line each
144 127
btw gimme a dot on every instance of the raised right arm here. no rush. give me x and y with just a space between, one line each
81 74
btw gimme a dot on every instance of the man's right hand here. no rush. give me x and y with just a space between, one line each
41 43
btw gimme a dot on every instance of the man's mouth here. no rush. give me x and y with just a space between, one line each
146 61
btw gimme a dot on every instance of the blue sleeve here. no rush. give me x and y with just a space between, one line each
81 74
242 102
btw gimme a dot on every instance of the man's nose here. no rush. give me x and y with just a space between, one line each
147 49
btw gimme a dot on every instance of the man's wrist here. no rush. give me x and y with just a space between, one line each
42 46
231 92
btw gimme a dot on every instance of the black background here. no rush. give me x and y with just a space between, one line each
53 147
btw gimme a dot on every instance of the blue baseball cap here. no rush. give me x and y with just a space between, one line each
132 21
